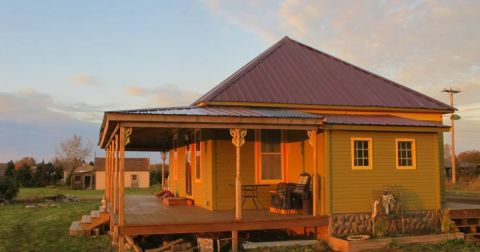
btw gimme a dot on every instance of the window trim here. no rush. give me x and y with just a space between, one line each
175 158
258 159
202 147
370 153
414 154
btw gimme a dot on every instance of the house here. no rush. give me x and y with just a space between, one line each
83 177
292 110
137 174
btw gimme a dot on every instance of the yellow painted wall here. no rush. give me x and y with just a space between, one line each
143 176
201 190
224 166
351 189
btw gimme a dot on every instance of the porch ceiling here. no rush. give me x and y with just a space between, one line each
153 128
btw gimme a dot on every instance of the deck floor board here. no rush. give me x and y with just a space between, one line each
146 214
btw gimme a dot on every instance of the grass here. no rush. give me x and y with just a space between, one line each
454 245
30 193
46 229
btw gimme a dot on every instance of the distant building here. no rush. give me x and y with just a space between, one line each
137 174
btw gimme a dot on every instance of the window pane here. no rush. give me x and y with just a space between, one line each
270 141
271 166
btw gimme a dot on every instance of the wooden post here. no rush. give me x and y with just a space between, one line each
163 156
115 189
107 160
451 92
124 140
312 134
238 139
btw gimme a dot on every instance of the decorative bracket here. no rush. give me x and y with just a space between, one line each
238 136
311 134
127 132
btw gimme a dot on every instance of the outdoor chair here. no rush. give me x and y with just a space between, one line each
301 193
282 196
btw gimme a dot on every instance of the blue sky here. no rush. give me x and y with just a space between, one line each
62 63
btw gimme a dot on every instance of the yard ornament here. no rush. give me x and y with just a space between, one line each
388 202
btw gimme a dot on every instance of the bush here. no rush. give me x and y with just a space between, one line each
8 188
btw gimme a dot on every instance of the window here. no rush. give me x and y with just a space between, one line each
134 177
405 153
198 155
362 153
269 156
175 158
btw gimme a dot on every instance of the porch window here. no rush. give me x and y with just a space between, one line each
405 149
362 153
198 156
269 149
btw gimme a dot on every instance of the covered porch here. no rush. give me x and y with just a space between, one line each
157 130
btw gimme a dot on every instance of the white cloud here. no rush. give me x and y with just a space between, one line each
134 90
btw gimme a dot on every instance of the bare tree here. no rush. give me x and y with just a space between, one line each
72 154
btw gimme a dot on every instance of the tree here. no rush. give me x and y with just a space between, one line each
8 183
24 176
469 157
26 161
72 153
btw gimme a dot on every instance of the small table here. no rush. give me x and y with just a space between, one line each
250 191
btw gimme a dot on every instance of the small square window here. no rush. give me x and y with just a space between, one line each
361 153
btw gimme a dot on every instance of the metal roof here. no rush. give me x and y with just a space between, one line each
292 73
131 164
379 120
224 111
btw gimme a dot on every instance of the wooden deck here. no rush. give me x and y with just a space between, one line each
145 214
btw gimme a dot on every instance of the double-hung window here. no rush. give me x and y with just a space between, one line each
405 149
269 156
362 153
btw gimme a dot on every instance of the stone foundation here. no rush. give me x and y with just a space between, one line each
415 222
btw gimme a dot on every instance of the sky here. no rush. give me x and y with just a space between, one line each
62 63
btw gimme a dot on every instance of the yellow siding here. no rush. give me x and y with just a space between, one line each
299 158
201 190
351 189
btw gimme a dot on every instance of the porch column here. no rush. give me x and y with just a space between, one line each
312 134
163 156
106 174
238 139
115 189
124 140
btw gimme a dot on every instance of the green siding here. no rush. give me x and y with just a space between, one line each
351 189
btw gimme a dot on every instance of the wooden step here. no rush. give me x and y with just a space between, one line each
86 219
75 228
94 214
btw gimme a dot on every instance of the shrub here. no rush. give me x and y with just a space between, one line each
8 188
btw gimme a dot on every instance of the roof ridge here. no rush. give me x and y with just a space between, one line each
372 74
220 88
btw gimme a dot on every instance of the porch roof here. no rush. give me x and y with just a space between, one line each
379 120
212 117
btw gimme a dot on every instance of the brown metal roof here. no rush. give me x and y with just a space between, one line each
379 120
292 73
131 164
224 111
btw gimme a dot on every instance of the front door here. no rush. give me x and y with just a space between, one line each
188 172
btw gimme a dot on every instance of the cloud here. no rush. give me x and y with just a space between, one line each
134 90
82 79
33 123
162 96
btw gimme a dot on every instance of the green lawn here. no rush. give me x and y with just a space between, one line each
29 193
46 229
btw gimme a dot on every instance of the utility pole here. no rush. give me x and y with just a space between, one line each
453 117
